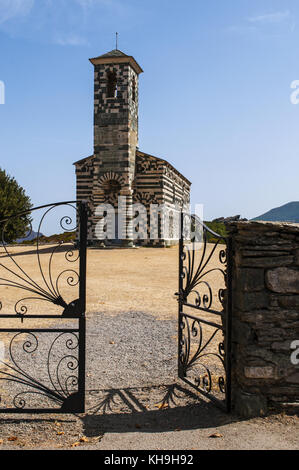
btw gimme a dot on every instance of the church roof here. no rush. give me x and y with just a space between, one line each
163 162
114 53
116 57
83 160
143 155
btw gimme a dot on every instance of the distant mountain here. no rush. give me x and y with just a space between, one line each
287 213
30 236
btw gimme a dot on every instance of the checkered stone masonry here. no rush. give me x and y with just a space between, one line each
117 167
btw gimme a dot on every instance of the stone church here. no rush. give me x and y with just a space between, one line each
118 168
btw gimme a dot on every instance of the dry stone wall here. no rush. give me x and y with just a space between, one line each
265 315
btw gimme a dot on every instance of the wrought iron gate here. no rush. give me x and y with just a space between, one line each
205 311
42 335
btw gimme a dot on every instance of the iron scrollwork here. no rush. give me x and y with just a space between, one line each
43 369
203 310
48 287
199 359
58 368
196 289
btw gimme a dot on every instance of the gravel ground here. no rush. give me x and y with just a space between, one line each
135 401
130 350
131 367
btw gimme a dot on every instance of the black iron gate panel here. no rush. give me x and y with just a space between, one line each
204 356
42 311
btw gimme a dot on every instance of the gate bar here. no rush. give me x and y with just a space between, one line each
82 321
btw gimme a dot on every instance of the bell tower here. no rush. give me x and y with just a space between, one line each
116 78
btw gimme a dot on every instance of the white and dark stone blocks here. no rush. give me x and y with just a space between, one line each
117 168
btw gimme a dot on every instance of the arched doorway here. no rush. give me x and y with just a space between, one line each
112 189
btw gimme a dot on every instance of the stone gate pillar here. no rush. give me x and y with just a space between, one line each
265 315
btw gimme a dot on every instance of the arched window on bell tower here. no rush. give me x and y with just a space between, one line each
134 89
111 84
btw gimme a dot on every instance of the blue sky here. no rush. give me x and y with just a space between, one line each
215 95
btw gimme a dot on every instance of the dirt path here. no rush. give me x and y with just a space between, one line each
117 280
134 399
184 426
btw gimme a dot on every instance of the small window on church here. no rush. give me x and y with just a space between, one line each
112 85
111 187
134 89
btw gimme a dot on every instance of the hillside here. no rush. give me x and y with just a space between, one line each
65 237
286 213
32 235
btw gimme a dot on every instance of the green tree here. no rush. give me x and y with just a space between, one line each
13 200
217 227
